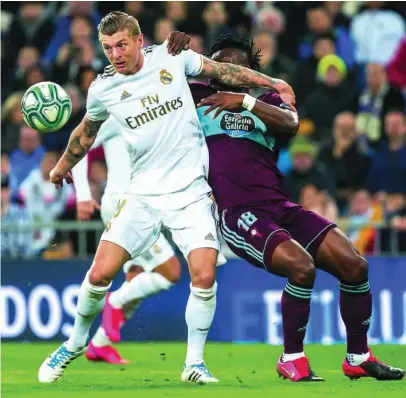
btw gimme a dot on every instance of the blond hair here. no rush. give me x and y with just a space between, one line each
115 21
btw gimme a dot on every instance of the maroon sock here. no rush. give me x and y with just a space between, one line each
356 310
295 316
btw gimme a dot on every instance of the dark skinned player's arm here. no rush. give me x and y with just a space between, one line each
283 120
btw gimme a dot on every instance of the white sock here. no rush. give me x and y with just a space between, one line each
199 315
100 338
292 357
357 359
143 285
90 303
130 308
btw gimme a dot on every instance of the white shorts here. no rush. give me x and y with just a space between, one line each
136 226
158 254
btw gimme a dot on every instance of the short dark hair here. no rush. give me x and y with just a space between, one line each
324 36
239 43
115 21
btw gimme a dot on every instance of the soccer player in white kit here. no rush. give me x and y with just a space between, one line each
156 270
146 91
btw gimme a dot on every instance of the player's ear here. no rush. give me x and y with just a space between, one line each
139 39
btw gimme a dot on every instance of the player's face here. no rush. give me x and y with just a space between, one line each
123 51
231 56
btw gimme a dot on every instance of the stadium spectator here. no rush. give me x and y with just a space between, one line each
98 175
27 58
177 12
376 33
28 156
197 44
305 170
14 244
319 21
272 62
335 8
362 211
332 95
11 121
63 31
5 171
344 158
216 18
163 28
42 201
374 103
86 76
318 201
80 51
388 168
305 80
270 19
34 75
397 67
31 27
143 14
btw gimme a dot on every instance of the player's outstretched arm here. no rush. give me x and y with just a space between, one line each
80 142
284 119
239 76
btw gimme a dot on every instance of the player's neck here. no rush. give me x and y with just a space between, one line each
138 66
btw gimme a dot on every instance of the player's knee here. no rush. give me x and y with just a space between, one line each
133 271
303 269
356 269
170 269
98 277
204 280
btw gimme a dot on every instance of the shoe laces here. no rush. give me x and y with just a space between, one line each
202 368
59 357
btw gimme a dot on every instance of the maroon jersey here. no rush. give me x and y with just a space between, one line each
243 153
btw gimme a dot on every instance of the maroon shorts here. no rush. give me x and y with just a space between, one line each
249 230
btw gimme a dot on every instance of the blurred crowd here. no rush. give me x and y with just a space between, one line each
345 60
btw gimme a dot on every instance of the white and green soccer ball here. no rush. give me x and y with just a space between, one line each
46 107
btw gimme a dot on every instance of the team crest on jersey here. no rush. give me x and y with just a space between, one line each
166 77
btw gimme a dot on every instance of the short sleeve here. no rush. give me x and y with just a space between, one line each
272 98
95 109
193 62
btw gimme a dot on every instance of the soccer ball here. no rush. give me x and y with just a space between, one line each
46 107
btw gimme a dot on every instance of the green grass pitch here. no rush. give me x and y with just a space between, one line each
244 371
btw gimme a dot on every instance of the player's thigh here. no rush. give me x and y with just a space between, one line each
158 254
194 227
252 234
134 226
307 228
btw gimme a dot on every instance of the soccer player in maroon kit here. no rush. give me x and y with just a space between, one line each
262 226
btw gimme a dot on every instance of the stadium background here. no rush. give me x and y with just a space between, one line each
347 64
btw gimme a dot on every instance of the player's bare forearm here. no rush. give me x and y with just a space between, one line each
282 120
80 142
239 76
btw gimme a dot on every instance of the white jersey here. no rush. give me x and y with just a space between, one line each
156 112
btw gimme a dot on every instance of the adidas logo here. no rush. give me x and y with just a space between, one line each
209 237
302 329
125 95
